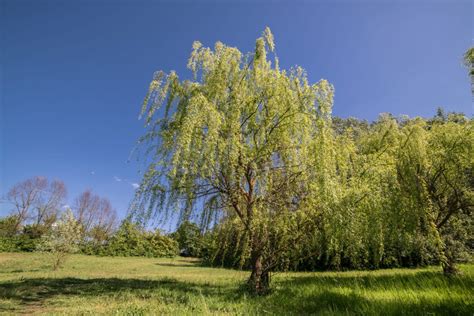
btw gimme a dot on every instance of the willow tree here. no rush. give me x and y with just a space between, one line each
468 60
434 170
236 140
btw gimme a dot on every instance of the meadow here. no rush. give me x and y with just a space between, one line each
89 285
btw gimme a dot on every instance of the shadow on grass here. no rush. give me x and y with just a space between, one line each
36 291
320 294
22 270
187 264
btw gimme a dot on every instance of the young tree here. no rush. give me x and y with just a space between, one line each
62 240
238 138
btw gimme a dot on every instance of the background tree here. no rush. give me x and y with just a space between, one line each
24 196
50 201
37 201
96 216
238 137
451 157
189 238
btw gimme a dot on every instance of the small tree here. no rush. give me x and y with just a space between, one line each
62 240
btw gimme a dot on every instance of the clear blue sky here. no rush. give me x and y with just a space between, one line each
74 73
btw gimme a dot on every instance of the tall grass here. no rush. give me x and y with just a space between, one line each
136 286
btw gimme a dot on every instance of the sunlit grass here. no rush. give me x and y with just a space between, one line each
96 285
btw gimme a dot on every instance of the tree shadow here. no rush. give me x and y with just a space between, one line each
180 263
36 291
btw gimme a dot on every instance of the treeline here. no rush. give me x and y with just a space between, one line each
399 188
37 207
400 195
397 192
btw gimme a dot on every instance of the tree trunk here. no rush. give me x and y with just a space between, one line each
449 267
259 281
450 254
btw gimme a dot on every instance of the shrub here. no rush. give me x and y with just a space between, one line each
132 240
189 238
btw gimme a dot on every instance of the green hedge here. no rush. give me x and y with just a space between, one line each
130 240
18 243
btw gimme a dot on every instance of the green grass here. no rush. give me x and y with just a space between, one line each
136 286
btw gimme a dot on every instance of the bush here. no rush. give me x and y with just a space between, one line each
132 240
18 243
8 244
189 238
8 226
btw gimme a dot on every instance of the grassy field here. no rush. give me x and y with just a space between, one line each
135 286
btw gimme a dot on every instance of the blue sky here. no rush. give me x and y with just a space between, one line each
74 73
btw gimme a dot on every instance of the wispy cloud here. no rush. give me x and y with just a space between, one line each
133 184
93 172
66 206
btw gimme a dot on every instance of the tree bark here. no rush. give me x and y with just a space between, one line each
449 266
259 281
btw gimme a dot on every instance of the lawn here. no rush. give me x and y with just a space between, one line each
135 286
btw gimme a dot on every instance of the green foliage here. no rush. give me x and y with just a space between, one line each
189 238
468 60
8 244
26 239
8 231
131 240
395 193
8 226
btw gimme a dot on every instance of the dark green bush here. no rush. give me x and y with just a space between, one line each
18 243
189 238
131 240
8 226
